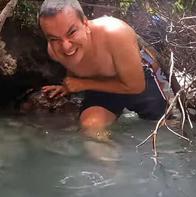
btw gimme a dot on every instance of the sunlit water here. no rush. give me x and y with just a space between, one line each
46 156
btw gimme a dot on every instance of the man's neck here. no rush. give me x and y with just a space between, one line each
91 50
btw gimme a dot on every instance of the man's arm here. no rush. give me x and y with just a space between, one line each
127 59
122 43
111 85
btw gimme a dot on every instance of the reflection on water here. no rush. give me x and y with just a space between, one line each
91 179
46 156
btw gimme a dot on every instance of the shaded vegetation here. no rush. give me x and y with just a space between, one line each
26 13
7 62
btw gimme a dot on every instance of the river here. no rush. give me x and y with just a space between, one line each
45 155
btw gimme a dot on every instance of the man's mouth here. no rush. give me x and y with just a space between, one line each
71 52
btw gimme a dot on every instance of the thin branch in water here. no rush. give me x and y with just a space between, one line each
144 141
183 114
175 133
189 119
160 123
171 68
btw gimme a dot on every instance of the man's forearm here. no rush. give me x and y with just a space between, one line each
109 85
105 85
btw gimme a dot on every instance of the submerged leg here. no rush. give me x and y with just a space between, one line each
94 122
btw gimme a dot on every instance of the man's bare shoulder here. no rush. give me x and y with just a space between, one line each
115 33
112 25
113 29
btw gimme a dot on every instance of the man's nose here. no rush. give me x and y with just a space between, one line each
66 44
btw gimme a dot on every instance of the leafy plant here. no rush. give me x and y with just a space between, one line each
124 5
183 5
26 13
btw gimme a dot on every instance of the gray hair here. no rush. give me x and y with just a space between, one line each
53 7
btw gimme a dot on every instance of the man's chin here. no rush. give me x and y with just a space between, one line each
71 60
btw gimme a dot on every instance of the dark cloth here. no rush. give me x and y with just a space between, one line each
150 104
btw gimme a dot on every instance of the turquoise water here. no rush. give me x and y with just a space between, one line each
45 155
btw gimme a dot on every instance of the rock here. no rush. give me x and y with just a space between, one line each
38 101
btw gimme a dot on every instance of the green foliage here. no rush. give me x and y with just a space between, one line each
124 5
184 5
26 13
179 5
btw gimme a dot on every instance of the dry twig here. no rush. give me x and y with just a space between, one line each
160 123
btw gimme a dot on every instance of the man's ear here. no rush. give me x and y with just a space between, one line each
51 52
86 23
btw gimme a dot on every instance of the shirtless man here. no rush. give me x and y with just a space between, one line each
103 59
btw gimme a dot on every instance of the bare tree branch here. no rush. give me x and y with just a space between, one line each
7 12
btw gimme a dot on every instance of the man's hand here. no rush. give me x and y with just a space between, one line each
55 90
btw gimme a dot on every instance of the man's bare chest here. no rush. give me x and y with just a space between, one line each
98 66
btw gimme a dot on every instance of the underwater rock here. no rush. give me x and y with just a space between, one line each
39 101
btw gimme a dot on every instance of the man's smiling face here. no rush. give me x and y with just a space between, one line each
67 36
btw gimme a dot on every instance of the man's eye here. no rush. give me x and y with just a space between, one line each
52 39
72 32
